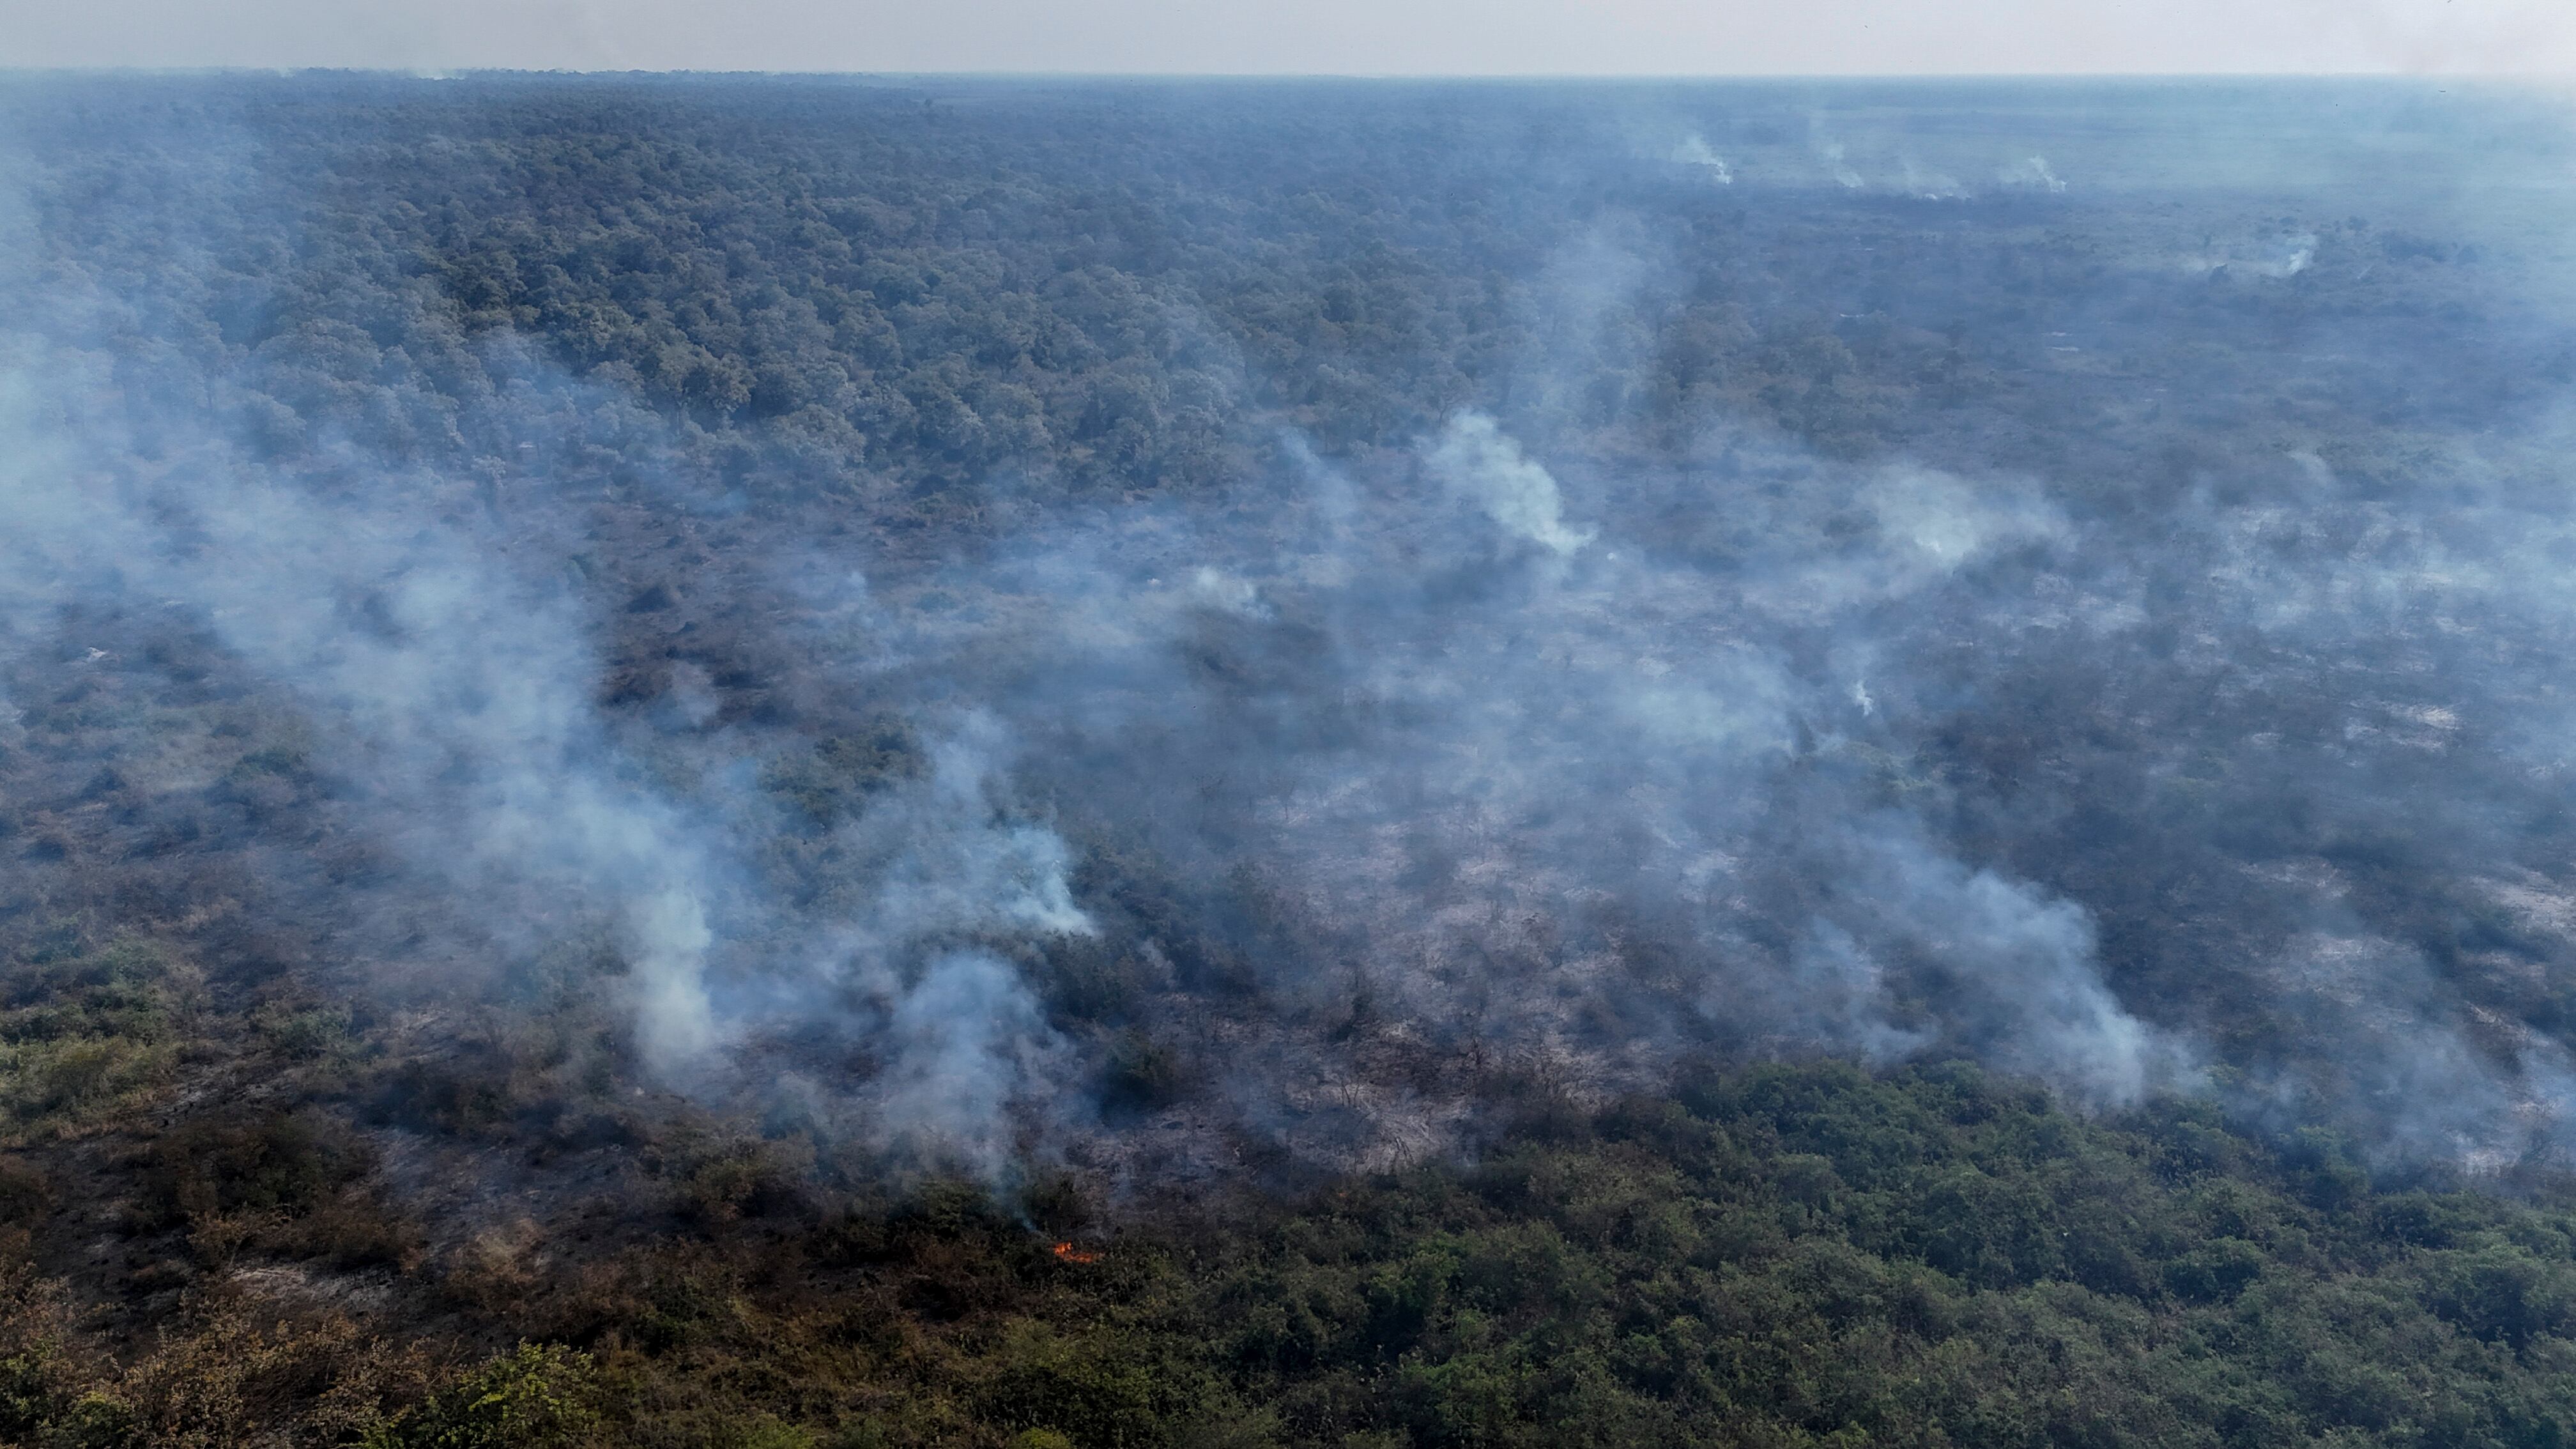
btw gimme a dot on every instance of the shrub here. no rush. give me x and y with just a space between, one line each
535 1397
279 1162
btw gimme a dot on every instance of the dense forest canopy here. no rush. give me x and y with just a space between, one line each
914 761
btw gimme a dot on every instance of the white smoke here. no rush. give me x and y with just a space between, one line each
1218 589
1926 525
1444 769
453 685
1477 461
2031 171
933 863
1925 184
2279 258
446 671
969 1045
1840 170
953 860
675 1026
1693 151
1837 992
2023 965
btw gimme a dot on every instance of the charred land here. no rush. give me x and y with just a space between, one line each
859 761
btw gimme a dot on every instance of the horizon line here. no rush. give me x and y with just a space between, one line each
1644 77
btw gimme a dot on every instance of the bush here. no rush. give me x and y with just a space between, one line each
274 1163
536 1397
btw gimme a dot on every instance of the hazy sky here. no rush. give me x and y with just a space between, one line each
1442 37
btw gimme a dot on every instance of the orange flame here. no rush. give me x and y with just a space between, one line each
1066 1252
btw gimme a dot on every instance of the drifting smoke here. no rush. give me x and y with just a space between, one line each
973 1044
1837 168
1475 459
1693 151
1406 706
2027 961
452 686
2283 257
2032 171
1565 726
1927 185
448 676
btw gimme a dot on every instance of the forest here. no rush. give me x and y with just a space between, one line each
849 761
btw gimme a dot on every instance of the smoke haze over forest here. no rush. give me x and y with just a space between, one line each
1178 634
1776 570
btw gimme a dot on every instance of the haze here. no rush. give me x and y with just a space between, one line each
977 749
1351 37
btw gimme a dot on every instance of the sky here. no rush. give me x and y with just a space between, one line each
1336 37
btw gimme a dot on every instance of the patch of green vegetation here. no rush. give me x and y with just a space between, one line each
278 1163
317 1035
87 1037
536 1397
1782 1256
832 780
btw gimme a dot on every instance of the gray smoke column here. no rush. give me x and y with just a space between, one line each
1511 780
448 675
2021 967
966 1069
1694 151
1474 458
448 682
